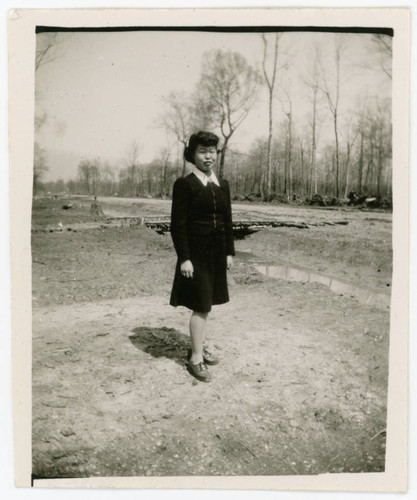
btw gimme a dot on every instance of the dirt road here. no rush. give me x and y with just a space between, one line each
134 206
301 388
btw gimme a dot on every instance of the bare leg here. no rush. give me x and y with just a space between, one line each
198 334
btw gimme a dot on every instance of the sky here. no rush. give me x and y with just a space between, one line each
103 91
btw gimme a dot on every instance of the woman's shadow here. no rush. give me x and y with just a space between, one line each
161 342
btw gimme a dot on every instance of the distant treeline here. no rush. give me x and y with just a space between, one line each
365 167
325 137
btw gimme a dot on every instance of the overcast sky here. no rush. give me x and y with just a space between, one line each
104 90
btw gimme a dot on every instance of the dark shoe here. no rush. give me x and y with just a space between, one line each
199 371
208 357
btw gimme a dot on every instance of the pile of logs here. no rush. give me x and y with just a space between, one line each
242 228
356 199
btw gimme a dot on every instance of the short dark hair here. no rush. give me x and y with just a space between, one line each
202 138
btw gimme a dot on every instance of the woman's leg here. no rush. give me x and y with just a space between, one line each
198 333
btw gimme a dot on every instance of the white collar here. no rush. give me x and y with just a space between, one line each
205 178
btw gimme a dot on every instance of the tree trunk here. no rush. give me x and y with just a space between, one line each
360 170
286 168
222 158
270 81
275 178
368 173
268 186
388 180
290 187
379 172
336 137
313 187
302 170
347 167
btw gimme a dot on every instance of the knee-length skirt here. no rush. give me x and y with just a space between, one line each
208 286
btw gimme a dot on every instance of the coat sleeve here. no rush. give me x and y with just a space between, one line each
228 224
179 212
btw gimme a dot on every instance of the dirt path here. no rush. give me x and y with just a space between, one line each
115 207
301 388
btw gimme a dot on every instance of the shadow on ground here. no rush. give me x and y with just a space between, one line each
161 342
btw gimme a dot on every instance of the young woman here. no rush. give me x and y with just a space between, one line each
201 229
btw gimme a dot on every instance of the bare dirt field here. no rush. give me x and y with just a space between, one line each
302 384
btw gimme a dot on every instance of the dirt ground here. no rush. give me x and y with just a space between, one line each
302 384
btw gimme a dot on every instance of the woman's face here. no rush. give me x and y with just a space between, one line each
205 157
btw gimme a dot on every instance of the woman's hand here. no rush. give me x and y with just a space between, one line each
229 261
187 269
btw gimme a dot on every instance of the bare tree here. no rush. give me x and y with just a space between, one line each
89 175
179 118
270 82
108 178
227 90
382 44
286 104
312 82
332 92
84 174
46 52
350 140
131 163
383 130
164 162
314 140
361 132
374 129
257 157
302 162
123 182
95 174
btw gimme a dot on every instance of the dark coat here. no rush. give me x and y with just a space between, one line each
201 229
